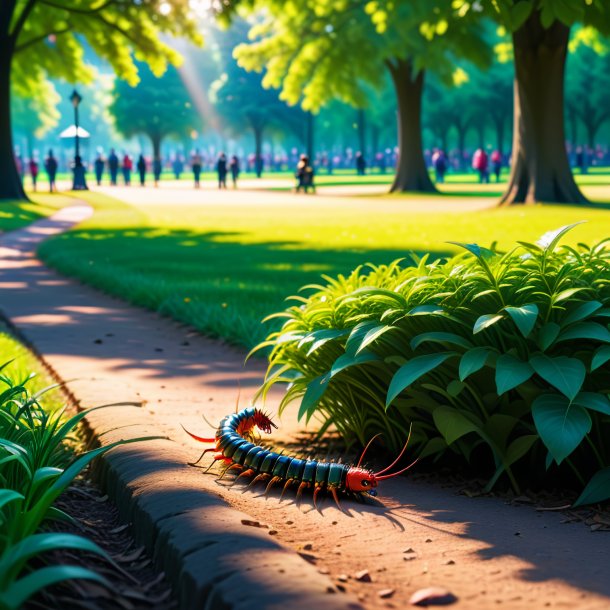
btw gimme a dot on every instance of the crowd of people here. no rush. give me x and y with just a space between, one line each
121 168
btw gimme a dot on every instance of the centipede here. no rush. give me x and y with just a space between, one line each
235 445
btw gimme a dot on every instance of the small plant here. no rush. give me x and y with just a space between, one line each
501 359
38 461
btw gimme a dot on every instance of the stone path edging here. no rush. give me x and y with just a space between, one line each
212 559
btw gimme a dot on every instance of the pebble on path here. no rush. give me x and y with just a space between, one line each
432 596
363 576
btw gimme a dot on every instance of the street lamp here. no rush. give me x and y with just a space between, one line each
79 183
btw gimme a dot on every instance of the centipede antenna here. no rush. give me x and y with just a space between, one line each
198 438
207 421
399 456
366 449
395 474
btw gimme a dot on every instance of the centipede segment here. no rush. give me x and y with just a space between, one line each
234 445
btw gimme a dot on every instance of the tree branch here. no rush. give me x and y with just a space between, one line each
37 39
25 13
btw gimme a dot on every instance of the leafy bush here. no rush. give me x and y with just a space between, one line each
37 464
498 359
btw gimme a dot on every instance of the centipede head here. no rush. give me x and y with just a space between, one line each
360 480
263 422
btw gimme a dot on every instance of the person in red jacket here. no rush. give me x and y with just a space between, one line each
127 166
480 163
33 167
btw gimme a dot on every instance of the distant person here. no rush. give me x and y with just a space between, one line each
79 174
141 167
98 166
19 165
126 167
196 167
304 175
50 166
496 164
439 162
360 164
157 169
581 159
33 167
480 164
221 170
234 169
178 167
113 166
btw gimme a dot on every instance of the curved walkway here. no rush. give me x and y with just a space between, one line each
488 553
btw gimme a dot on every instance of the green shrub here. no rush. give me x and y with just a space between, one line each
498 359
38 461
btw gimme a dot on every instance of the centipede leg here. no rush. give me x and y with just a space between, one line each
302 486
201 457
217 457
229 467
271 483
286 486
333 491
245 473
257 478
316 491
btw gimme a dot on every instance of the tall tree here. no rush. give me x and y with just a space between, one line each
588 85
304 45
156 107
45 37
541 32
245 103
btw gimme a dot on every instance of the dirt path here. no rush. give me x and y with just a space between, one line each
488 553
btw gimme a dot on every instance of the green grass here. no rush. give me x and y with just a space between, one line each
18 214
223 268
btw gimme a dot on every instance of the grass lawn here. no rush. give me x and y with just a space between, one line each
222 268
17 214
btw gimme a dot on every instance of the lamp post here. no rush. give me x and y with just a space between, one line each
79 183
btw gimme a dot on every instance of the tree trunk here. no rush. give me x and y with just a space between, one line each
155 139
411 172
540 168
258 150
10 181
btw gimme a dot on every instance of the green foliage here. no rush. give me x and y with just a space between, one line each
499 355
157 107
37 464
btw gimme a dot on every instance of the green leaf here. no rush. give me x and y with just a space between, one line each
473 360
547 335
550 239
485 321
519 13
8 495
511 372
524 317
315 390
19 592
597 490
357 335
373 335
565 374
452 424
581 312
601 356
585 330
347 360
412 371
455 387
593 402
561 426
423 310
519 447
440 337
